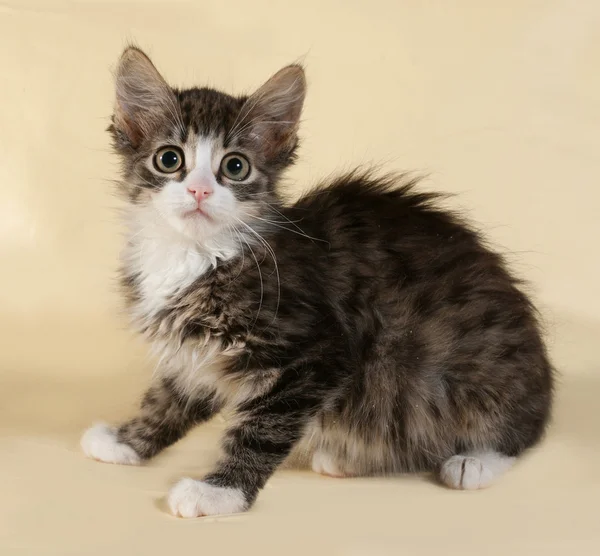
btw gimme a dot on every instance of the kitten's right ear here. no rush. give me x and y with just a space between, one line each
144 101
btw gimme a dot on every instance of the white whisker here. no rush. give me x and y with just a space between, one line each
262 289
232 229
272 253
300 233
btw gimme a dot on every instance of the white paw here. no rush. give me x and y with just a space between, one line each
465 472
475 470
189 498
100 442
325 464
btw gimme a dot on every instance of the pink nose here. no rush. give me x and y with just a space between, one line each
201 191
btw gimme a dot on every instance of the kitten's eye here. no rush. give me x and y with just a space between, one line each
235 167
168 159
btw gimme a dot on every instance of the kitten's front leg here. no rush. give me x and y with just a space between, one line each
266 430
164 418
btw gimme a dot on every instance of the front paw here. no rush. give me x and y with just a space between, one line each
100 443
189 498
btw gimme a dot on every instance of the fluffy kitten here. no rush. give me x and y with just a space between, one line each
362 328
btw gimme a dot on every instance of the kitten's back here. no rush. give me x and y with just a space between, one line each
444 348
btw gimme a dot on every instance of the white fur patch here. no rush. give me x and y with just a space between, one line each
474 470
100 442
325 464
190 498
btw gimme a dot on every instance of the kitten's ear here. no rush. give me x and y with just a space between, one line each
273 112
144 101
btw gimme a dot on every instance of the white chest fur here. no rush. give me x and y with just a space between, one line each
166 269
166 262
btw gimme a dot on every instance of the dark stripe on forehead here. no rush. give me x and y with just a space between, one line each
208 112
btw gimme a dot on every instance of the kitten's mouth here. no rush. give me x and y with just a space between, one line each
197 213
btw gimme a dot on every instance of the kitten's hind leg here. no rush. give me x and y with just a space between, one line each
474 470
164 418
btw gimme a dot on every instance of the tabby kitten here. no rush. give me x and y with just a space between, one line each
362 329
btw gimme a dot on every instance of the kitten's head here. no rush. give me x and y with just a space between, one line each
200 160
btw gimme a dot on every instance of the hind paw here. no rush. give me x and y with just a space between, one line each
473 471
325 464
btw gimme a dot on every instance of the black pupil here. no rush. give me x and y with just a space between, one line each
169 159
234 166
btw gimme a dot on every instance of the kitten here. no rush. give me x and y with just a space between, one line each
362 328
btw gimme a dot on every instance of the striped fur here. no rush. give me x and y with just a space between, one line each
363 329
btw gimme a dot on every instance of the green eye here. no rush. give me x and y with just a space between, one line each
235 167
168 159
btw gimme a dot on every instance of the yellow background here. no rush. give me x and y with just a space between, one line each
498 101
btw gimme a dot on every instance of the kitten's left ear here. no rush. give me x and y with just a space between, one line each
273 113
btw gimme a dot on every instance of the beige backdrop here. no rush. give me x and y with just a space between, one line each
498 101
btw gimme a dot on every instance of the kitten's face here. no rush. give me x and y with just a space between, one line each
201 161
199 183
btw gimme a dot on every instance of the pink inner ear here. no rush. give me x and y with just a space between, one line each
133 133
